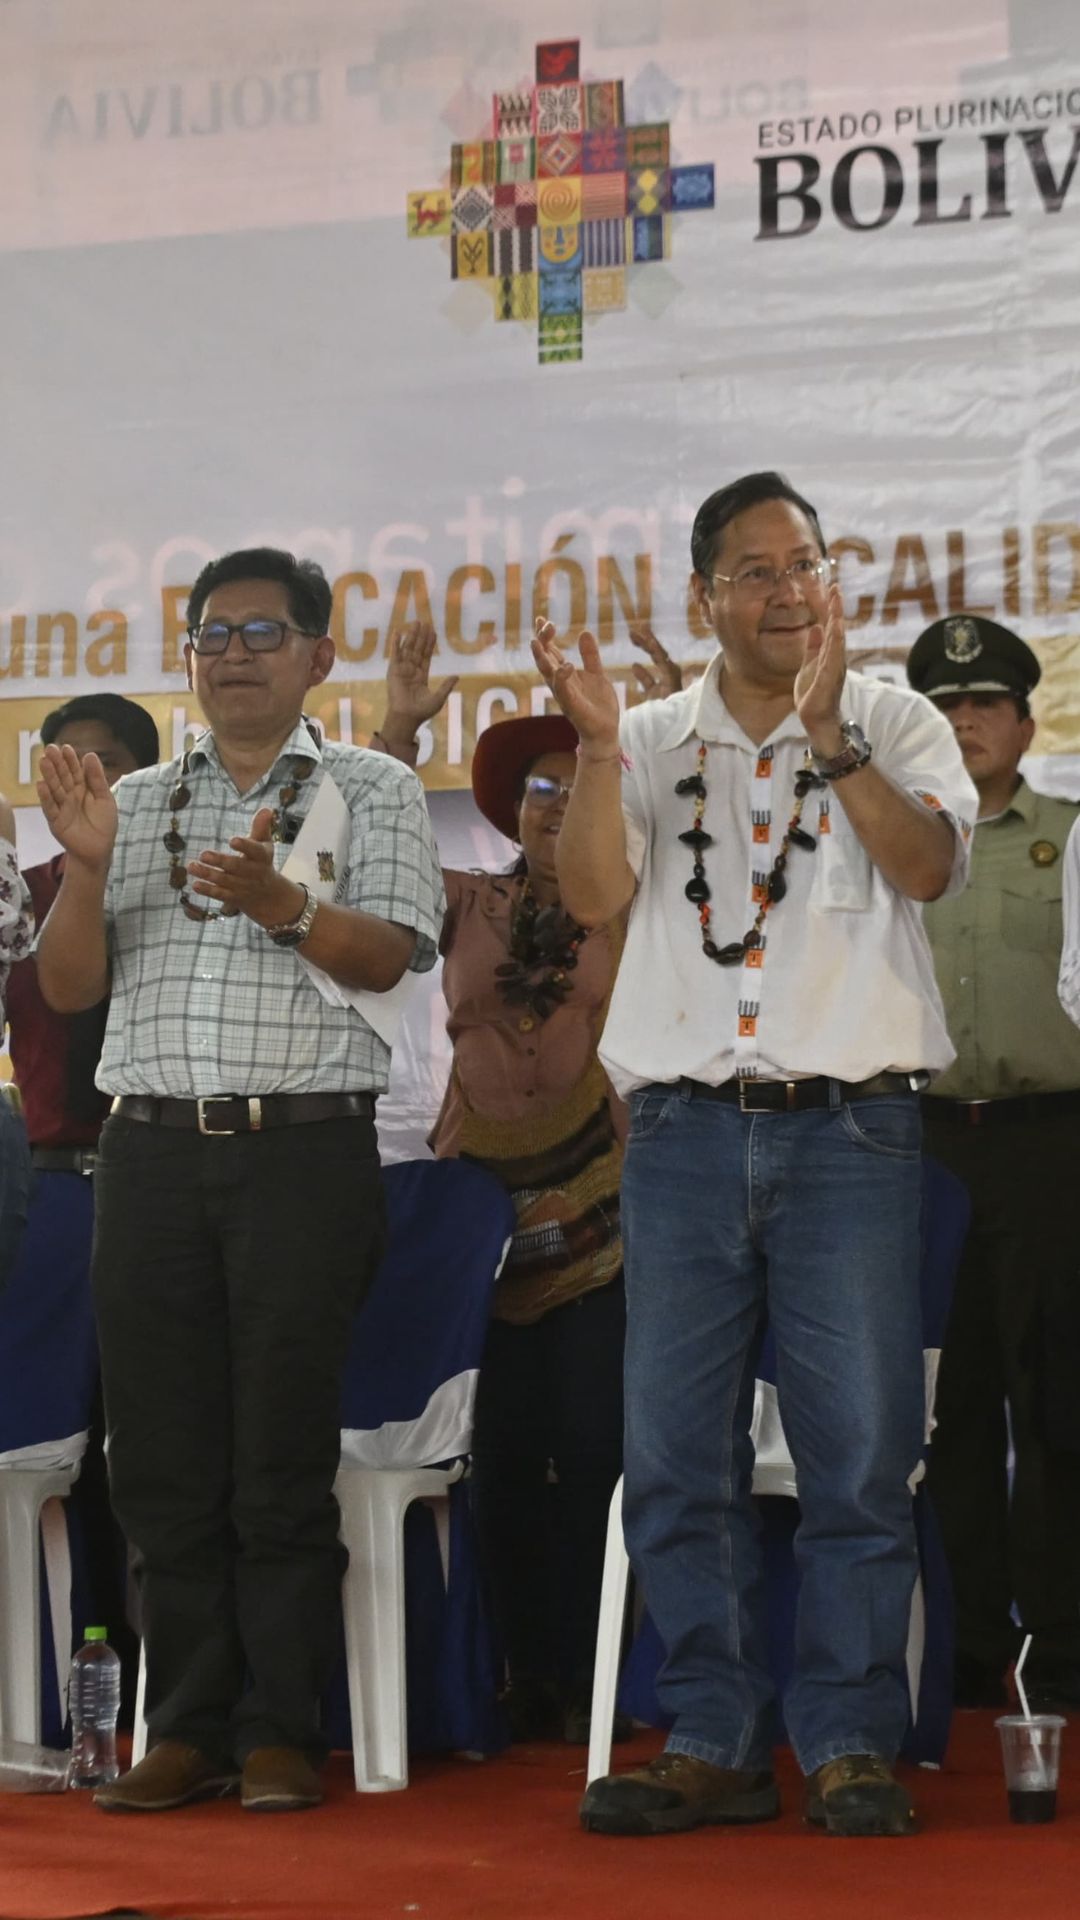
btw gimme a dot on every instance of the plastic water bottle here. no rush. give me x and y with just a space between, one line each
94 1703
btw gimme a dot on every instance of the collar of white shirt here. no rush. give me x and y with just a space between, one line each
700 711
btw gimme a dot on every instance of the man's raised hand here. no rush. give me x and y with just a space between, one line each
584 693
78 805
410 697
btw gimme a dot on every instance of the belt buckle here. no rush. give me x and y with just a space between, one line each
762 1106
225 1099
789 1087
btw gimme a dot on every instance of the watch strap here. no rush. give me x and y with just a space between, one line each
290 933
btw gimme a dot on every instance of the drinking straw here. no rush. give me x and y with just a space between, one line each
1039 1771
1018 1676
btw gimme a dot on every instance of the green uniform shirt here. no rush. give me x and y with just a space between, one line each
997 949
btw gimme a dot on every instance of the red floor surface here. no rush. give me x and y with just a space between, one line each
501 1841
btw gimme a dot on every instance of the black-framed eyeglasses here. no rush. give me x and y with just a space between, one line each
258 636
545 792
761 579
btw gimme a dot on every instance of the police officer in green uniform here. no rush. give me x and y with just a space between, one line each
1006 1118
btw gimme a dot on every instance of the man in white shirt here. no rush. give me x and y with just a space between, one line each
773 829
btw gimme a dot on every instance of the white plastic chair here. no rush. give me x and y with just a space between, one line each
449 1227
32 1516
373 1503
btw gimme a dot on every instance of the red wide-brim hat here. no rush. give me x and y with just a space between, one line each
502 758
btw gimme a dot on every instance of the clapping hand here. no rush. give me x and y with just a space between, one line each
819 682
78 805
584 693
246 880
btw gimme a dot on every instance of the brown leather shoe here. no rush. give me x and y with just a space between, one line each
858 1797
171 1775
675 1792
279 1780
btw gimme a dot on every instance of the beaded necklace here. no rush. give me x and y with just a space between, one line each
698 891
544 948
283 829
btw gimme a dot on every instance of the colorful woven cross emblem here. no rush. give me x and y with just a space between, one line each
561 202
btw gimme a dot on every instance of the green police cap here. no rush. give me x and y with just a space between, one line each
969 654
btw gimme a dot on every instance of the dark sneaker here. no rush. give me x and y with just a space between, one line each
858 1796
172 1775
675 1792
279 1780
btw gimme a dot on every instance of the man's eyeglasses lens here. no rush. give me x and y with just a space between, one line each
764 579
544 792
258 636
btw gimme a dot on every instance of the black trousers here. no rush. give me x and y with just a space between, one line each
226 1275
1021 1262
550 1394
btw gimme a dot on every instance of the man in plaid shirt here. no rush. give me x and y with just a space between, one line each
239 1214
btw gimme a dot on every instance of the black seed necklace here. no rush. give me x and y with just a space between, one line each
698 890
544 946
284 828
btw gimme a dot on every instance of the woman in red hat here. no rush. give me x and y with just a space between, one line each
527 992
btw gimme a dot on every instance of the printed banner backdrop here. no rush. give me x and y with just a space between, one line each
475 304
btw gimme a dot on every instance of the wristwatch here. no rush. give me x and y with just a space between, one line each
293 933
854 754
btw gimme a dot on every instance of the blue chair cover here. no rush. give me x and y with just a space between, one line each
946 1212
425 1320
424 1324
48 1348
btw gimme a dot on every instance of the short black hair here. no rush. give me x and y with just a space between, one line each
307 587
753 490
126 720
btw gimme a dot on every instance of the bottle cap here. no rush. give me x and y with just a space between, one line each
96 1633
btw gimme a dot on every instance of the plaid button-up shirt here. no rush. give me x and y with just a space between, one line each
208 1007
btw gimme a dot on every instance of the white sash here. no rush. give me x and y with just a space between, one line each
319 859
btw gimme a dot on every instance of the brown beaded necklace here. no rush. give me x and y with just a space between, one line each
283 829
698 891
543 948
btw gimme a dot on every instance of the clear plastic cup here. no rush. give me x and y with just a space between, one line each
1031 1750
28 1769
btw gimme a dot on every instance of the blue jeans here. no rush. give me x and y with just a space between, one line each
810 1219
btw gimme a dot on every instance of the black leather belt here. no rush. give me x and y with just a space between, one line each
236 1113
796 1096
64 1159
990 1113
